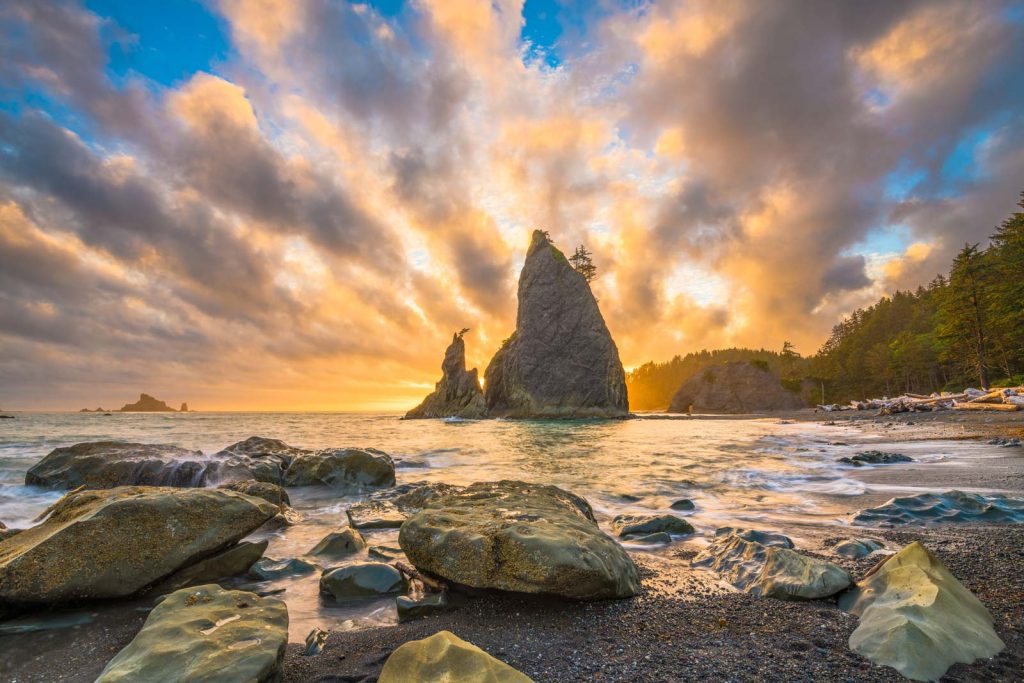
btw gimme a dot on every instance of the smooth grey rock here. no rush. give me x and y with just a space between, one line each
875 458
626 525
206 634
410 608
458 393
269 569
855 549
113 543
257 457
339 544
561 361
365 579
515 536
342 468
683 504
272 493
736 387
650 539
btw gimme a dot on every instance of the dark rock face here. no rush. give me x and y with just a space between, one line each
458 393
561 361
106 464
734 388
147 404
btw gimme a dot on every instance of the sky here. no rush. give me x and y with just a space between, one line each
291 205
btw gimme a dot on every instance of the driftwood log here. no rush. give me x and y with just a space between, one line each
1008 407
414 573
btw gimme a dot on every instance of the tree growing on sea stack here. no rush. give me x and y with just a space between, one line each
561 360
458 392
583 263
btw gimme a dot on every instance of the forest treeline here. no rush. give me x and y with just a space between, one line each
965 328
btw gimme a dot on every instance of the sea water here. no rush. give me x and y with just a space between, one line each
765 473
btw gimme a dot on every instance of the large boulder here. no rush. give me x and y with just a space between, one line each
342 468
106 464
272 493
458 392
257 457
444 657
764 564
561 361
206 634
361 580
116 542
737 387
235 560
643 525
917 618
514 536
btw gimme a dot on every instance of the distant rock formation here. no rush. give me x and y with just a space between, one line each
561 361
458 393
737 387
147 404
98 410
184 408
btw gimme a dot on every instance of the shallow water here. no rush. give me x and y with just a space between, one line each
763 473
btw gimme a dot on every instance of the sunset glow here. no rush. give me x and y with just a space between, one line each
279 205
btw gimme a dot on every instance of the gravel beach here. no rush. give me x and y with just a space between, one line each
685 625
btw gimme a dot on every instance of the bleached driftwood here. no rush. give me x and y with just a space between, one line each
987 406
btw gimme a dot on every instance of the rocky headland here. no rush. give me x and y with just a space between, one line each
737 388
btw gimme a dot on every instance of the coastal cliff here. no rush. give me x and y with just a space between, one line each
561 360
458 392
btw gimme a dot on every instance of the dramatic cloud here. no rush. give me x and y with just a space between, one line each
301 219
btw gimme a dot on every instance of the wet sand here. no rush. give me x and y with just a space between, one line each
684 625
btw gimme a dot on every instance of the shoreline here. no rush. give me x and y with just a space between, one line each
684 625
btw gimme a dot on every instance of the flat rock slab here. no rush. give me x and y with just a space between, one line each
764 564
446 658
375 514
206 634
951 506
917 618
113 543
514 536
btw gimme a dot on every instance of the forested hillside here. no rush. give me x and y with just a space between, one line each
965 328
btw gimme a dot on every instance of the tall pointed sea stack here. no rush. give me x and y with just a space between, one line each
458 393
561 360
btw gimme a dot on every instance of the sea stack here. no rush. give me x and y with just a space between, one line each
561 361
736 387
147 404
458 392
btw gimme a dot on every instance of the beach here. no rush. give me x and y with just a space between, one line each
685 624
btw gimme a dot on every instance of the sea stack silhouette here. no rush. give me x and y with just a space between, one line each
147 404
458 392
561 361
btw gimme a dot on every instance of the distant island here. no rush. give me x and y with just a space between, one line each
145 404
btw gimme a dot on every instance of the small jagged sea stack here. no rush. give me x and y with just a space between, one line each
561 361
458 394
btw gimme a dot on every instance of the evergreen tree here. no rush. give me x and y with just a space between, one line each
582 261
963 327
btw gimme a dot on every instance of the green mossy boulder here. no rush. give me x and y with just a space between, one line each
514 536
206 635
917 618
116 542
446 658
